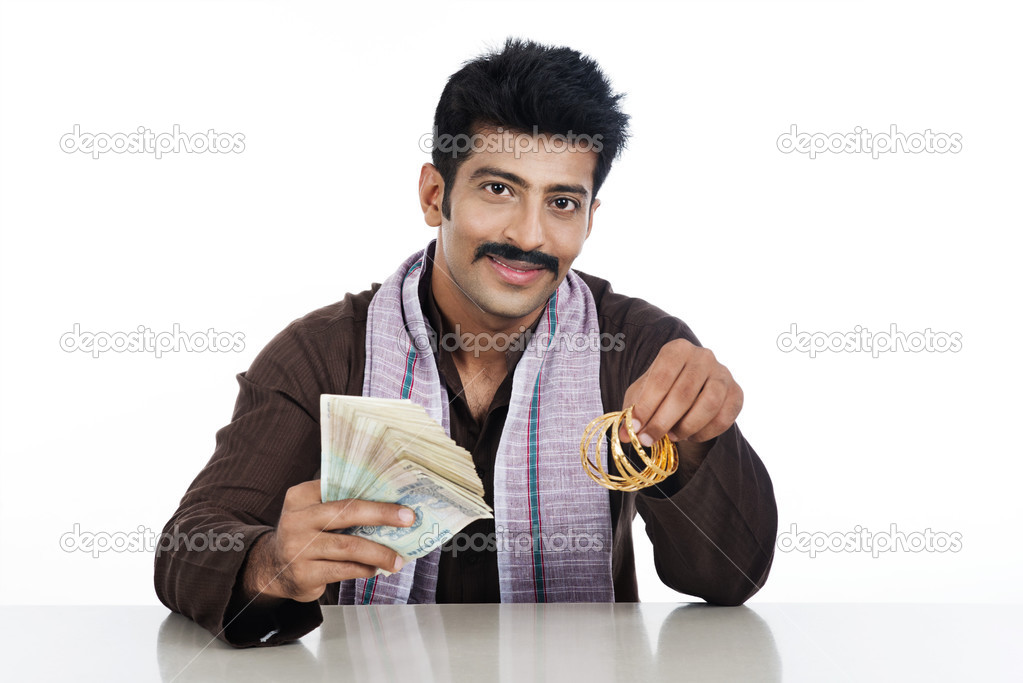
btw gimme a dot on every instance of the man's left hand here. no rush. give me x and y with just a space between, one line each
688 395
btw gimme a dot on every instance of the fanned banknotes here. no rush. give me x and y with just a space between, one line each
392 451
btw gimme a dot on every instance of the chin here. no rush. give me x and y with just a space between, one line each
527 308
502 307
507 313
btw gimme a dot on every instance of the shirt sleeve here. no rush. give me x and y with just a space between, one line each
271 444
713 533
714 538
713 530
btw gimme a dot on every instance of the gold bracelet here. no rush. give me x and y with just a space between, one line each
662 462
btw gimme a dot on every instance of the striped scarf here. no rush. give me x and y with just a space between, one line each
552 523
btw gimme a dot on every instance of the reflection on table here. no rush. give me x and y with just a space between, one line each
505 642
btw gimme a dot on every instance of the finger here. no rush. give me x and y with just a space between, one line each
308 582
651 389
302 496
348 548
341 514
676 404
708 406
329 571
724 419
631 395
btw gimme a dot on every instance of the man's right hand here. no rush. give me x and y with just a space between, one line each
301 556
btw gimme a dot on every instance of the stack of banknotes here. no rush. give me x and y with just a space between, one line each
392 451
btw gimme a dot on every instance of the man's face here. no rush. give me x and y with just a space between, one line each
516 226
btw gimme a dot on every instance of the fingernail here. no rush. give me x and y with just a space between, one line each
646 440
636 426
398 562
406 515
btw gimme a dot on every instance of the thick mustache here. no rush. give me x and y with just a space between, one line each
507 251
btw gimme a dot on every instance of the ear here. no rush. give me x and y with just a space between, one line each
593 207
431 193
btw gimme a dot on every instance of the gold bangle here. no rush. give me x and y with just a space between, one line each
660 464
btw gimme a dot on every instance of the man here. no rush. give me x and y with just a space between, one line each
524 139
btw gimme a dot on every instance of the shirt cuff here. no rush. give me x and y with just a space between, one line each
678 480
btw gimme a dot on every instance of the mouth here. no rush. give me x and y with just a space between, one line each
516 272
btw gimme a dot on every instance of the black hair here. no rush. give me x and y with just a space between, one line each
528 88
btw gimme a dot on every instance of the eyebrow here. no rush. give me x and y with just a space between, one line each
521 182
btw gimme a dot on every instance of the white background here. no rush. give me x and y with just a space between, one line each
702 216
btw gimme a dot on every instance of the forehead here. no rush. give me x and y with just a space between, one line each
540 159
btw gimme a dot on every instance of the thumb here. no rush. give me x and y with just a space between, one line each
632 395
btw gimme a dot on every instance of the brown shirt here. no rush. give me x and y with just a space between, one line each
713 533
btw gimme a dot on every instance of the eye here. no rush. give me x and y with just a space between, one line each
496 188
565 203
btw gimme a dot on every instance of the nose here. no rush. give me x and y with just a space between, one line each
526 230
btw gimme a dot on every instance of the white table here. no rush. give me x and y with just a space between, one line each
573 643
